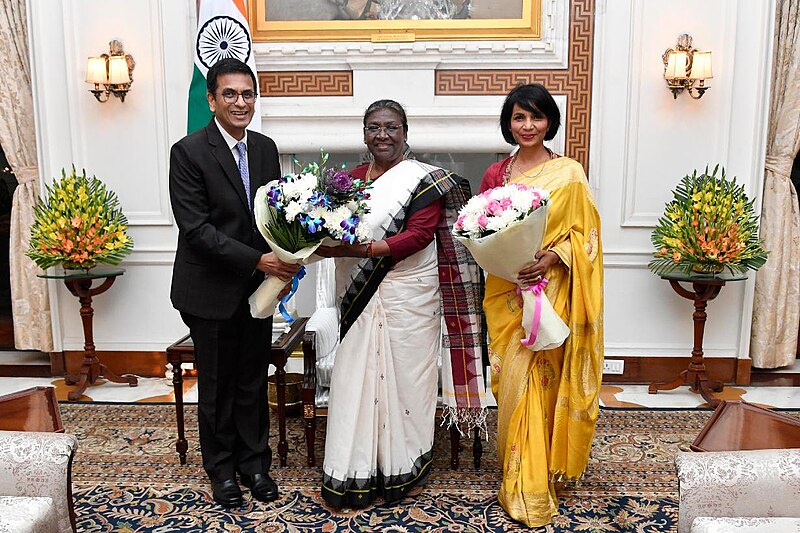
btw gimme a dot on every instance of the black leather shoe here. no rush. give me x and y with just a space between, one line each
226 492
261 486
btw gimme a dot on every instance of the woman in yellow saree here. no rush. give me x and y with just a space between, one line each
547 400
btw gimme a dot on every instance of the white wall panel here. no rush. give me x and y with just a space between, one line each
120 142
644 141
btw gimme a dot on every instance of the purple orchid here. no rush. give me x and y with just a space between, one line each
320 199
274 197
349 226
313 224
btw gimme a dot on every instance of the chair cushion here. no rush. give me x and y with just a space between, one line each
37 464
706 524
325 370
23 514
757 483
325 322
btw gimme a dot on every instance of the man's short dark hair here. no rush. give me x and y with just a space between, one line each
229 65
536 99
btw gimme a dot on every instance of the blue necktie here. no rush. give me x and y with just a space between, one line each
244 172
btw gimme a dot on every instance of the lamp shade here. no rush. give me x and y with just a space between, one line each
118 70
701 66
96 70
676 65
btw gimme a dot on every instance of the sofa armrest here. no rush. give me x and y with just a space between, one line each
39 464
752 483
706 524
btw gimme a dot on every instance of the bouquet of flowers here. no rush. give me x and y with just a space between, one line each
503 228
708 226
298 212
78 225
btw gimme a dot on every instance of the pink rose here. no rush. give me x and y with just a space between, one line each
494 207
483 221
460 221
506 202
537 200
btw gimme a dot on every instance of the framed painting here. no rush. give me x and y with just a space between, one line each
394 20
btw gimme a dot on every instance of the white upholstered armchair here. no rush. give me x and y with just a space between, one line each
35 481
739 491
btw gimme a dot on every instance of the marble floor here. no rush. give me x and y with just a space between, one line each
611 395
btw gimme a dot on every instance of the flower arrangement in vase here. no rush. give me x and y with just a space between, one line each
710 225
78 224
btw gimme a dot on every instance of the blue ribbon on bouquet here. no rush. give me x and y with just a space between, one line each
295 282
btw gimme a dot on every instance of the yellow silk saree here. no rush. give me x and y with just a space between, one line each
548 400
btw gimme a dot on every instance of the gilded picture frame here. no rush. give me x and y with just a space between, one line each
303 20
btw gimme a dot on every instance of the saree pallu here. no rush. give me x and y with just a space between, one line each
548 401
381 413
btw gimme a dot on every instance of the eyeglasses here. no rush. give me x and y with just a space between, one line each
230 96
374 129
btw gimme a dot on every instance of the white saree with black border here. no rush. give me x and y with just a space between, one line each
396 320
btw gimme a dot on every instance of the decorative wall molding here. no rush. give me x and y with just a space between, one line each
639 68
306 83
575 82
83 111
549 52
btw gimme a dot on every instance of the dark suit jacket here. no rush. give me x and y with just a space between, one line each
218 243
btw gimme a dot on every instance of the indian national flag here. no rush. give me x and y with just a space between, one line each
222 31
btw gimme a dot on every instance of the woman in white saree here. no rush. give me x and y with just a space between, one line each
393 294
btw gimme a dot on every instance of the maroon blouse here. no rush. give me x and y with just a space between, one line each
493 177
420 227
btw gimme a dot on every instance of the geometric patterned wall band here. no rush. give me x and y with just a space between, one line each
575 82
306 83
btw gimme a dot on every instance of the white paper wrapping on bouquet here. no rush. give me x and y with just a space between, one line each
504 254
265 298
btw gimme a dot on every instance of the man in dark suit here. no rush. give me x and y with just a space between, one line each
220 260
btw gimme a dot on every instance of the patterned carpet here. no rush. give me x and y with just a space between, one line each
127 477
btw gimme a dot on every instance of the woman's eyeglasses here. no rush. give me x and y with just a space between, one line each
230 96
374 129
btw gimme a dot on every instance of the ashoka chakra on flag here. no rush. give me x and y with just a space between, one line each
222 37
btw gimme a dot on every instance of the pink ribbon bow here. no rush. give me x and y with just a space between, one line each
537 290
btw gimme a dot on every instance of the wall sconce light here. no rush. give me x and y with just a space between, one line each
113 70
686 68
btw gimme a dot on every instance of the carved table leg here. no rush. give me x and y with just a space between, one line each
91 367
310 419
477 449
695 375
181 446
455 447
280 384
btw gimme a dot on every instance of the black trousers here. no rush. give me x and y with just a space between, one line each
232 358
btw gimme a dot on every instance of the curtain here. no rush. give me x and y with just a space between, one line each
776 310
29 301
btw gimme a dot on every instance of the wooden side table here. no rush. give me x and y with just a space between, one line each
34 409
182 351
80 284
705 287
738 425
